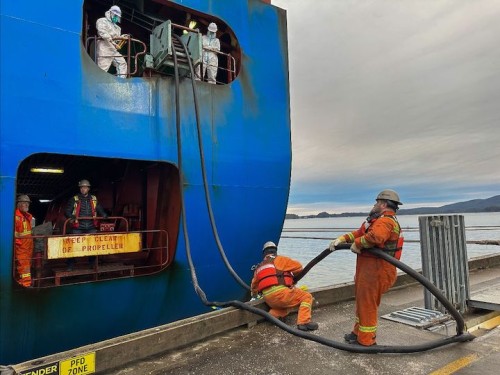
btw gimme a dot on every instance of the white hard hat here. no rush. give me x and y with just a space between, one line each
115 9
269 245
212 27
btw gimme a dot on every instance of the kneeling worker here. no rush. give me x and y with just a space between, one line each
273 277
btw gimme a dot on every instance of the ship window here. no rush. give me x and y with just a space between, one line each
146 49
137 238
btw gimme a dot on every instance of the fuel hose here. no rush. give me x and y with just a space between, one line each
461 336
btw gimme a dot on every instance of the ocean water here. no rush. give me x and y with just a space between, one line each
303 239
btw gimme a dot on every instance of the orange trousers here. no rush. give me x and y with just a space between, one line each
285 298
374 276
24 253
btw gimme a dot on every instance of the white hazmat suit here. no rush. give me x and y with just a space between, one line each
211 45
107 53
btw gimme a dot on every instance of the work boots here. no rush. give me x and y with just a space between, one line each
351 338
311 326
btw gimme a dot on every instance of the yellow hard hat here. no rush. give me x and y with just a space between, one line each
389 195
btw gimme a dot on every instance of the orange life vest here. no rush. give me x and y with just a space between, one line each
267 275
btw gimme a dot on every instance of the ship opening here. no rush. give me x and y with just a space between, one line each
147 45
134 234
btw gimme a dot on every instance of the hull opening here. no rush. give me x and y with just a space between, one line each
136 237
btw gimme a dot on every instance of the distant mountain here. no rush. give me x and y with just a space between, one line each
476 205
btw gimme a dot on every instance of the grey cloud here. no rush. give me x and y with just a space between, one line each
405 92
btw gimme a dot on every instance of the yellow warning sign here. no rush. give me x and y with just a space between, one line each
81 365
92 244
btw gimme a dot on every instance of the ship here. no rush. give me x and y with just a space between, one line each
193 176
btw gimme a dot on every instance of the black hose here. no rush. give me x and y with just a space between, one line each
204 173
403 267
426 283
264 314
311 264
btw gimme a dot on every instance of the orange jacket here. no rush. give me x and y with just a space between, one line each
283 264
22 226
381 232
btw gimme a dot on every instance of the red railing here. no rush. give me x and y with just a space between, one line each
151 258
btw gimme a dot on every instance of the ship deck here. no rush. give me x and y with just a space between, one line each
208 345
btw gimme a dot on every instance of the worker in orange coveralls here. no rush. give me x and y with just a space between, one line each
23 240
273 277
374 276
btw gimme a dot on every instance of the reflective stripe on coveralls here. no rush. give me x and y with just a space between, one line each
281 298
23 246
374 276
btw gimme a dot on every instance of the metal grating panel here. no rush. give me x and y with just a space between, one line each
444 259
417 317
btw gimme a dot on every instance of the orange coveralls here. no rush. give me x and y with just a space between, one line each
23 247
374 276
281 298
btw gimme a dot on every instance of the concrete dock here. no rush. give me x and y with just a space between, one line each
231 341
265 349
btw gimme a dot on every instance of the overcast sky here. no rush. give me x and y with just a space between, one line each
401 94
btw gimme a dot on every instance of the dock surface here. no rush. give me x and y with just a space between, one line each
265 349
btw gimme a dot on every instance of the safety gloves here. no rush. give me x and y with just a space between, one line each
355 248
336 242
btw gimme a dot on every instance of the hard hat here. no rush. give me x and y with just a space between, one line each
23 198
83 183
212 27
115 9
389 195
270 246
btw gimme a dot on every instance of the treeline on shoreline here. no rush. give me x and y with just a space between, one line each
476 205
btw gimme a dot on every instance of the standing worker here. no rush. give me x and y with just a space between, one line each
273 278
23 240
84 205
374 276
211 45
107 48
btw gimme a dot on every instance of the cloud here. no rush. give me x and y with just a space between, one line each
399 94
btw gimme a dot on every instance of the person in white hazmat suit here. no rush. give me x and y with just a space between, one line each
107 51
211 45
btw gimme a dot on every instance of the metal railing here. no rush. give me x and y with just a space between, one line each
128 40
151 258
230 68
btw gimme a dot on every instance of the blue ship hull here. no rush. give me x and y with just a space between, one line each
56 101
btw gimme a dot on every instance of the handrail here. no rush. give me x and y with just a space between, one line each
231 68
94 218
126 38
39 258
